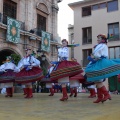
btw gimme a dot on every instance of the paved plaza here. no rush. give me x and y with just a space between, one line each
44 107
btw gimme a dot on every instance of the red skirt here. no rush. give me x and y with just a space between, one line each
47 80
79 77
66 68
8 76
35 74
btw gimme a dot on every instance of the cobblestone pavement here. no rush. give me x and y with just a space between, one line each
44 107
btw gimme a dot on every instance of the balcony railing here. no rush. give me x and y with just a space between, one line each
38 32
113 37
3 19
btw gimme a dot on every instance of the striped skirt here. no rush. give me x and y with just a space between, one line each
64 69
8 76
32 75
103 68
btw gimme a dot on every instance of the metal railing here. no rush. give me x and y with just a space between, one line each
38 32
113 37
3 19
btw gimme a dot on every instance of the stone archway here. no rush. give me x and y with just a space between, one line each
4 53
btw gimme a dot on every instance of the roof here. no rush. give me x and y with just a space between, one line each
82 2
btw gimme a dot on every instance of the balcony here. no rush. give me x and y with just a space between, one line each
3 19
38 32
113 37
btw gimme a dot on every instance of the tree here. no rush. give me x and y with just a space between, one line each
16 58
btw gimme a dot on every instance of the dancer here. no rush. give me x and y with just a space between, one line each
24 89
30 71
48 82
64 68
7 77
75 83
91 89
101 67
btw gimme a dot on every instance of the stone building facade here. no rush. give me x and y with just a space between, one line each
35 16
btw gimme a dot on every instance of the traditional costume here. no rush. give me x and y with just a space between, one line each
7 76
101 67
75 83
92 90
30 72
48 82
64 69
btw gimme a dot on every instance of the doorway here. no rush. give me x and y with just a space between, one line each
4 53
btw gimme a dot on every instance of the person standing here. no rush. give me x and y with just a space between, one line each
30 71
64 69
7 77
101 67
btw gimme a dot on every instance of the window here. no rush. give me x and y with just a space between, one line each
95 7
9 9
87 35
113 31
102 5
53 50
99 6
86 53
41 24
86 11
114 52
112 6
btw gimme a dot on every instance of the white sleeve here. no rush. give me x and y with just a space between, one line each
98 52
36 62
2 67
16 69
50 70
20 64
59 55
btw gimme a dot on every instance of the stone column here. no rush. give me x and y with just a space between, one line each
1 6
54 19
26 8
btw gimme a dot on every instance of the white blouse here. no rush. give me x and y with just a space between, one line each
30 60
9 65
101 50
63 52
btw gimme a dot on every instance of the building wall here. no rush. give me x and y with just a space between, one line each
98 20
27 11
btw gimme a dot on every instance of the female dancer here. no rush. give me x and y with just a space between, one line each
48 82
64 68
7 77
74 83
101 67
30 72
